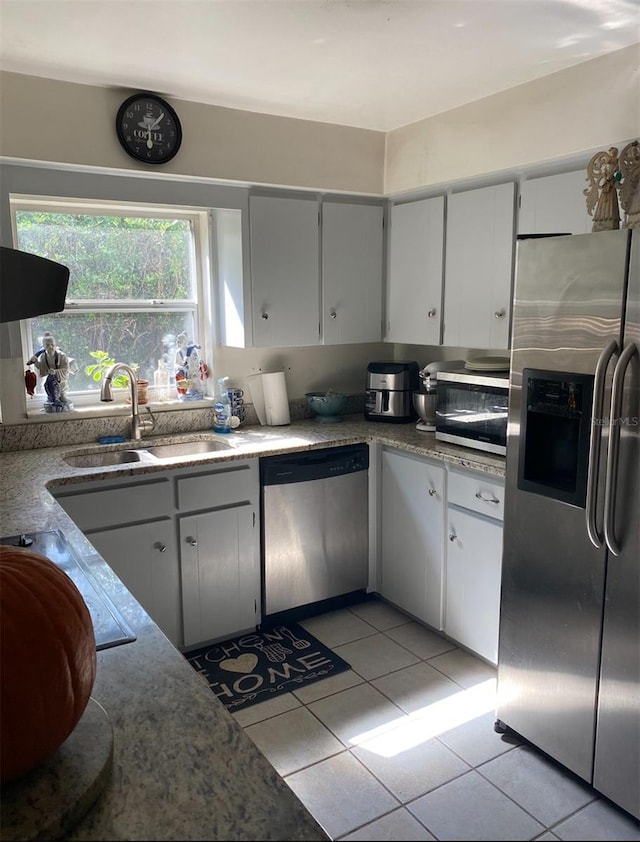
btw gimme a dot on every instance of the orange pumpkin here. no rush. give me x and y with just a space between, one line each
47 659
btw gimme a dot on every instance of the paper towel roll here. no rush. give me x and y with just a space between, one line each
276 401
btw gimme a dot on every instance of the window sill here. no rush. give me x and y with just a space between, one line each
103 410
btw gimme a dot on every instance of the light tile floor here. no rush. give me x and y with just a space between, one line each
402 746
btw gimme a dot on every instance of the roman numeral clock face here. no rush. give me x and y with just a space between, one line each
148 129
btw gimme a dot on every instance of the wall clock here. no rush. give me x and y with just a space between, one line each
148 128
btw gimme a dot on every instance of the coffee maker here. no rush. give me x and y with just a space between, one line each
388 395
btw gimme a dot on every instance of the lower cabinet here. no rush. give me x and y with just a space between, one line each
412 521
144 556
474 562
220 573
186 544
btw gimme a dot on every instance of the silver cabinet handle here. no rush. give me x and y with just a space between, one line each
432 312
480 496
264 315
453 536
192 542
162 548
595 438
432 492
332 313
500 314
614 447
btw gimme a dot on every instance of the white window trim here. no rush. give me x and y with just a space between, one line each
88 404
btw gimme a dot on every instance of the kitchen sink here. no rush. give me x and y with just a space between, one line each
99 460
186 448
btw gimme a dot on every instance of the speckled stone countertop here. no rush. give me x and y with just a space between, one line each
183 768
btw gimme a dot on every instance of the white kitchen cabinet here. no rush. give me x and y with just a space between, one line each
220 573
144 556
554 204
479 267
474 562
411 535
285 254
352 248
219 548
414 285
186 544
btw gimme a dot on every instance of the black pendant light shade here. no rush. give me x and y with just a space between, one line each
30 285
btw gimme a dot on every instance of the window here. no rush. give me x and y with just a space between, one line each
135 285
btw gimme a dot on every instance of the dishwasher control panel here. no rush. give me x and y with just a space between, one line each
314 464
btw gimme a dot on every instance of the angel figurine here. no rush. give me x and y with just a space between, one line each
630 183
603 176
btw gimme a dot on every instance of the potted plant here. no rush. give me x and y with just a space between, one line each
103 362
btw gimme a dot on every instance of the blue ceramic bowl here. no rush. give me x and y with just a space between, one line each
327 406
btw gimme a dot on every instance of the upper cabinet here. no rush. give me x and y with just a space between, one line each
293 301
352 247
479 267
414 285
285 251
554 204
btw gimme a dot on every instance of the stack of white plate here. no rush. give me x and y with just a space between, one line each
488 364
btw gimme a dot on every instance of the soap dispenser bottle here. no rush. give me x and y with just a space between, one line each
222 408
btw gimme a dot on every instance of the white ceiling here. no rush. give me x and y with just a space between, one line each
376 64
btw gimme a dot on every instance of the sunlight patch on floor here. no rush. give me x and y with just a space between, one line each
409 731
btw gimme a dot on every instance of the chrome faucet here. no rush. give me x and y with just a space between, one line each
139 426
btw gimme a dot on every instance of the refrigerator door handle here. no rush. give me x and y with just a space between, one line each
595 439
614 447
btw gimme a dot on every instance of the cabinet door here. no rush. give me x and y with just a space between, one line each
351 273
473 576
220 573
144 557
411 536
285 271
414 286
554 204
477 284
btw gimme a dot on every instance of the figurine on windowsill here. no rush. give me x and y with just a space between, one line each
55 366
190 370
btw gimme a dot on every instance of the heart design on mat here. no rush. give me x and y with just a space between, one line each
243 663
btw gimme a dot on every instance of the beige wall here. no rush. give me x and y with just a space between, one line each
585 107
575 110
61 122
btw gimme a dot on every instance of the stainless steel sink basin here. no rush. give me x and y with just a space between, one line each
99 460
186 448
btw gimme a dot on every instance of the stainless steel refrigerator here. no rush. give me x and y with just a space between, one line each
569 647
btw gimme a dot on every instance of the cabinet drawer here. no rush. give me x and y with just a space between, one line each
477 492
233 484
126 503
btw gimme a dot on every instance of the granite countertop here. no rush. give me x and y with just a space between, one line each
183 768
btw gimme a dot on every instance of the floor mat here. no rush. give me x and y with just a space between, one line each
258 666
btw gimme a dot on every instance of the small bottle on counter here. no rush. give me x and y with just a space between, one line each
161 382
222 408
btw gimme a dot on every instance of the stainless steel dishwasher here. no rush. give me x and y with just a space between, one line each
314 526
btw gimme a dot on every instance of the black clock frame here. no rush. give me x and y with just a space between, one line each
168 109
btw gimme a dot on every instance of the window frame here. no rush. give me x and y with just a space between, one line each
201 305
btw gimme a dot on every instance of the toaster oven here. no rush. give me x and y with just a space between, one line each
471 409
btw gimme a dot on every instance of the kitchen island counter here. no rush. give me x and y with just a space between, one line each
183 768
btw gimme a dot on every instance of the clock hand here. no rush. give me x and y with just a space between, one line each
155 123
149 141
